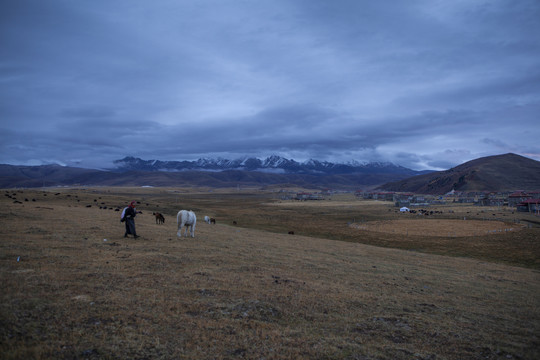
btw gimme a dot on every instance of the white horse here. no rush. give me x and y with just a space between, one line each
207 219
188 219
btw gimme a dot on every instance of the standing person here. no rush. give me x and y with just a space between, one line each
128 216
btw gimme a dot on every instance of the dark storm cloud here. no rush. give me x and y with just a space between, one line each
419 83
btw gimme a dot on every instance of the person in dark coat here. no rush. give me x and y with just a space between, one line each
128 216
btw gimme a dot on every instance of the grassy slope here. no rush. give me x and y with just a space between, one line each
508 172
235 292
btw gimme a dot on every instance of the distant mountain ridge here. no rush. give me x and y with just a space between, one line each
272 171
497 173
507 172
273 164
13 176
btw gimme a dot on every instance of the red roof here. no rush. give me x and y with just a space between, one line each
519 194
530 201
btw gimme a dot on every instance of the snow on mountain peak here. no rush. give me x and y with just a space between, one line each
272 163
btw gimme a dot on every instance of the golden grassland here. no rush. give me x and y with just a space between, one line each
439 227
73 287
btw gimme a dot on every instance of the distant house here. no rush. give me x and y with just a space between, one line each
466 198
326 192
518 197
529 205
303 195
367 195
308 196
491 199
384 196
402 199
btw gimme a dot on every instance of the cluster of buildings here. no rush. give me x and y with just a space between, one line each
526 201
304 195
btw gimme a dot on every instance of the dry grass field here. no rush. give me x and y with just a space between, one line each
72 287
439 227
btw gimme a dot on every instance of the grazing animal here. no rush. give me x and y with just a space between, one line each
212 221
160 219
207 219
291 232
188 219
234 223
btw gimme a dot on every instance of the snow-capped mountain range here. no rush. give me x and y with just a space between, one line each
273 164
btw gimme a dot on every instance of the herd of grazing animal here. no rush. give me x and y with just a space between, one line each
188 219
209 220
184 218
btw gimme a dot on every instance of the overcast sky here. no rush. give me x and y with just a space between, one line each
420 83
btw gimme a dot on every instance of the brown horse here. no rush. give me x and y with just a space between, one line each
160 219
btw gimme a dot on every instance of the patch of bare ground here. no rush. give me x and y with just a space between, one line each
73 287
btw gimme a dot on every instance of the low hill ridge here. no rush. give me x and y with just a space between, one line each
505 172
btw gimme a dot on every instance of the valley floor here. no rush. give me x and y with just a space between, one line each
73 287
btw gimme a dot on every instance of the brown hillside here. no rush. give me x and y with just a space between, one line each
493 173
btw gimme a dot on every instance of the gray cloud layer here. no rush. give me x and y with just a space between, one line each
424 84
